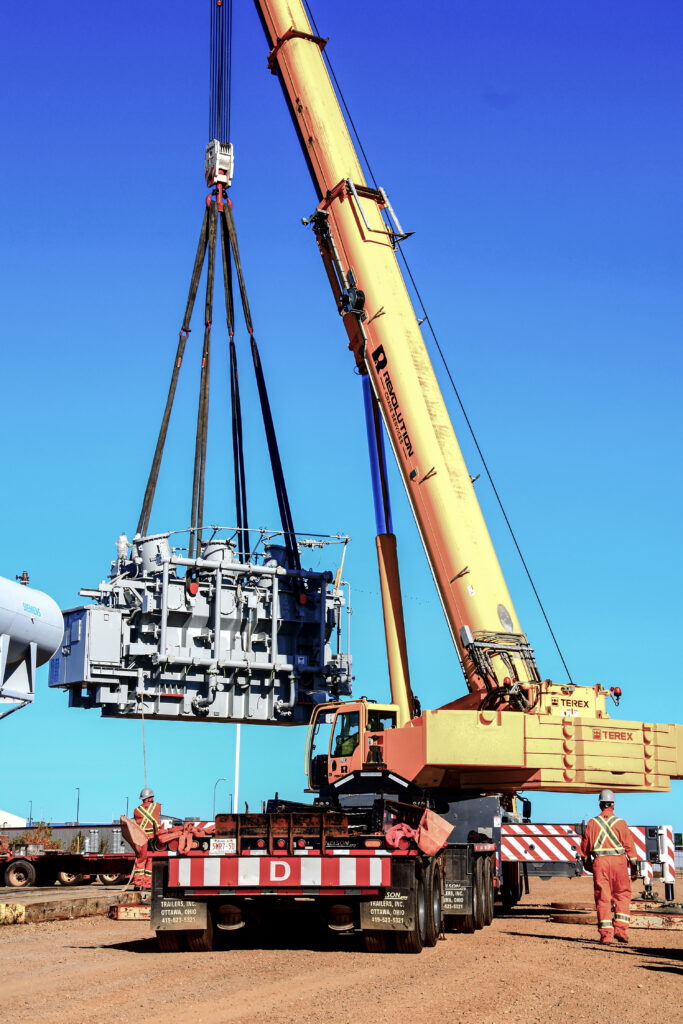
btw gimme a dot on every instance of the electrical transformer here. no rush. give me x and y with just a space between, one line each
210 638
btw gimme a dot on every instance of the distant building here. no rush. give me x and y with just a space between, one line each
8 820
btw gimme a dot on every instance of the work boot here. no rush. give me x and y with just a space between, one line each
621 938
605 938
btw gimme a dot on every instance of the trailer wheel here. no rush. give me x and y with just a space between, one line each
169 942
433 903
466 924
375 941
112 879
20 873
201 940
478 893
511 891
68 878
487 895
414 941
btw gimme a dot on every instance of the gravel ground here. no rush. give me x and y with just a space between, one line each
522 968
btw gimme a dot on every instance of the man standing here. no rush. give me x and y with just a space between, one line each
148 817
607 842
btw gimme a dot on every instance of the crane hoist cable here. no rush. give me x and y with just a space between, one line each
218 220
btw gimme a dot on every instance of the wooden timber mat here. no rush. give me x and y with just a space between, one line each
644 914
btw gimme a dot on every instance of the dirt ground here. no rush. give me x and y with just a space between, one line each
522 968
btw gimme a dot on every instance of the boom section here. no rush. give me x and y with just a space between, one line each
357 240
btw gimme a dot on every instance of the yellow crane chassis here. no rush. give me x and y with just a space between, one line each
505 750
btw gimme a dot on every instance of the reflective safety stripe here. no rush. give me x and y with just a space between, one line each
626 918
608 853
607 834
149 822
605 924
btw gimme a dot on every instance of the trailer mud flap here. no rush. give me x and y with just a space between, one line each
456 897
458 871
171 914
394 913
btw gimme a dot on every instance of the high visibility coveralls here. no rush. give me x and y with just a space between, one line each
149 820
608 840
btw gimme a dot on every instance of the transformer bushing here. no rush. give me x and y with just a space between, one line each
210 639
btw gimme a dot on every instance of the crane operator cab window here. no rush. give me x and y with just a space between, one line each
378 721
346 736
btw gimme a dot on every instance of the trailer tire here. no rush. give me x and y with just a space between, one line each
511 891
20 873
414 940
478 893
487 895
113 879
201 940
68 878
170 942
434 915
375 941
464 923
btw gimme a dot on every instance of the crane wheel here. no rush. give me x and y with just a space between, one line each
487 894
432 884
201 940
375 941
20 873
414 940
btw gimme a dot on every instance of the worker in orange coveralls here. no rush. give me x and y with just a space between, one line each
148 817
607 843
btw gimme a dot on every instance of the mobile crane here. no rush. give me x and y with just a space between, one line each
405 831
513 729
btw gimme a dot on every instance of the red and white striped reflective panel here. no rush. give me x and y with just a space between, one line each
667 855
561 843
539 843
271 872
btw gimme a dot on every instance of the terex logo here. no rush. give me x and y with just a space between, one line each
280 870
612 734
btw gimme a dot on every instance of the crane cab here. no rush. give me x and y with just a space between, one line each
346 737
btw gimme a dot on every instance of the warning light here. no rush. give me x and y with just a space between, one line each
193 588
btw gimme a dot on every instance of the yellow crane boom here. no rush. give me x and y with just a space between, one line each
513 730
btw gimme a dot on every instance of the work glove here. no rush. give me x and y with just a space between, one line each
634 870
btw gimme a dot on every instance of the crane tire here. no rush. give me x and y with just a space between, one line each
201 940
434 922
20 873
169 942
488 894
414 940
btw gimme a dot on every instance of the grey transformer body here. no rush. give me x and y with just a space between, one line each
209 638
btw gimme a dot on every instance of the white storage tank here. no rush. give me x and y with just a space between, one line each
31 630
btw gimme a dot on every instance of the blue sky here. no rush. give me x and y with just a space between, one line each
535 151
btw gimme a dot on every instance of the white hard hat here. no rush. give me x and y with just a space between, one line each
146 793
606 797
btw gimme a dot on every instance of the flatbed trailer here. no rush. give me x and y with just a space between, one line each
372 871
26 866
